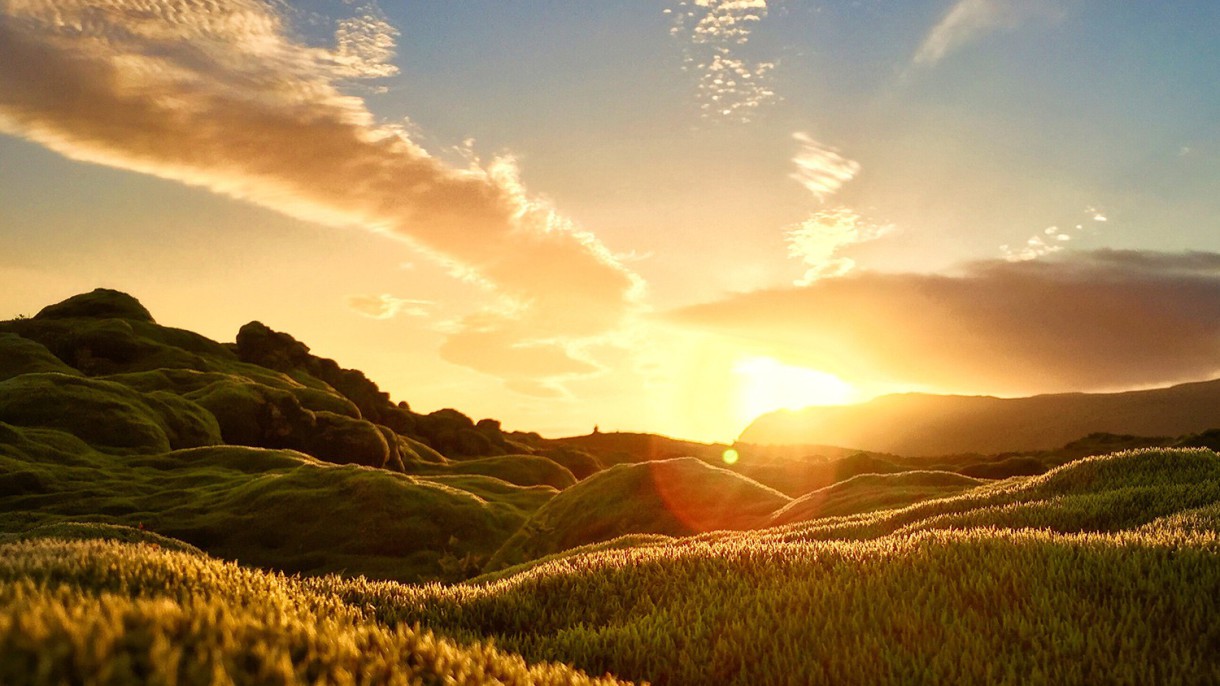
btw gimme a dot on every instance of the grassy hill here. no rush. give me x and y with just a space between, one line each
915 424
254 451
1106 570
178 510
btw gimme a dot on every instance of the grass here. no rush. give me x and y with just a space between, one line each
123 519
870 492
992 594
1125 599
111 613
674 497
522 470
272 508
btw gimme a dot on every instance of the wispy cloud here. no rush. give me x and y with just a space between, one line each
731 86
386 306
968 21
1051 240
1077 321
820 168
220 94
816 241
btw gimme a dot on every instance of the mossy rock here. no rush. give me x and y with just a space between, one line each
252 414
101 303
187 381
20 355
106 414
302 515
343 440
579 462
675 497
412 450
278 509
522 470
110 346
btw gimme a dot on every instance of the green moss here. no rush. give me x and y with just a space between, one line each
343 440
105 414
522 470
22 356
273 508
870 492
673 497
101 303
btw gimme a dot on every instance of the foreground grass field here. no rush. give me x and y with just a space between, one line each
1105 570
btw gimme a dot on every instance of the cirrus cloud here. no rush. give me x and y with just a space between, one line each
968 21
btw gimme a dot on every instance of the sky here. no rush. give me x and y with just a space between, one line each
666 216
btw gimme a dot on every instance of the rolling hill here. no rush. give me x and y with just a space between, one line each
916 424
179 510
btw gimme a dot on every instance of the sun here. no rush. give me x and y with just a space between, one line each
765 384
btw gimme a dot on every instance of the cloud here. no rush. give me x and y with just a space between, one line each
386 306
1052 239
479 343
731 86
817 241
970 20
219 94
1081 321
365 45
820 168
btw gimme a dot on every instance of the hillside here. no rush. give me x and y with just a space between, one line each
255 451
179 510
916 424
1103 570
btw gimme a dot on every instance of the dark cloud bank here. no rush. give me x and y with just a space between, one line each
1107 319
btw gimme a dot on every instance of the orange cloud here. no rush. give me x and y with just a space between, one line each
386 306
219 95
1086 321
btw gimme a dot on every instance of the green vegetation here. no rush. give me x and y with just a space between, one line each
272 508
523 470
871 492
147 474
109 613
1003 594
675 497
1125 599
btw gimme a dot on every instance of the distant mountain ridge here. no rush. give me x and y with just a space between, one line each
918 424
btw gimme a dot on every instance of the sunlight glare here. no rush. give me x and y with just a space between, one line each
766 384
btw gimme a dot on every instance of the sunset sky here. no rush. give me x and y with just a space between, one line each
648 215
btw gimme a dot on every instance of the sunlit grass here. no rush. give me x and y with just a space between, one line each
1106 570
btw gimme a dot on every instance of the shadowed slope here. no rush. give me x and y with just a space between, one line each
674 497
870 492
277 509
920 424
